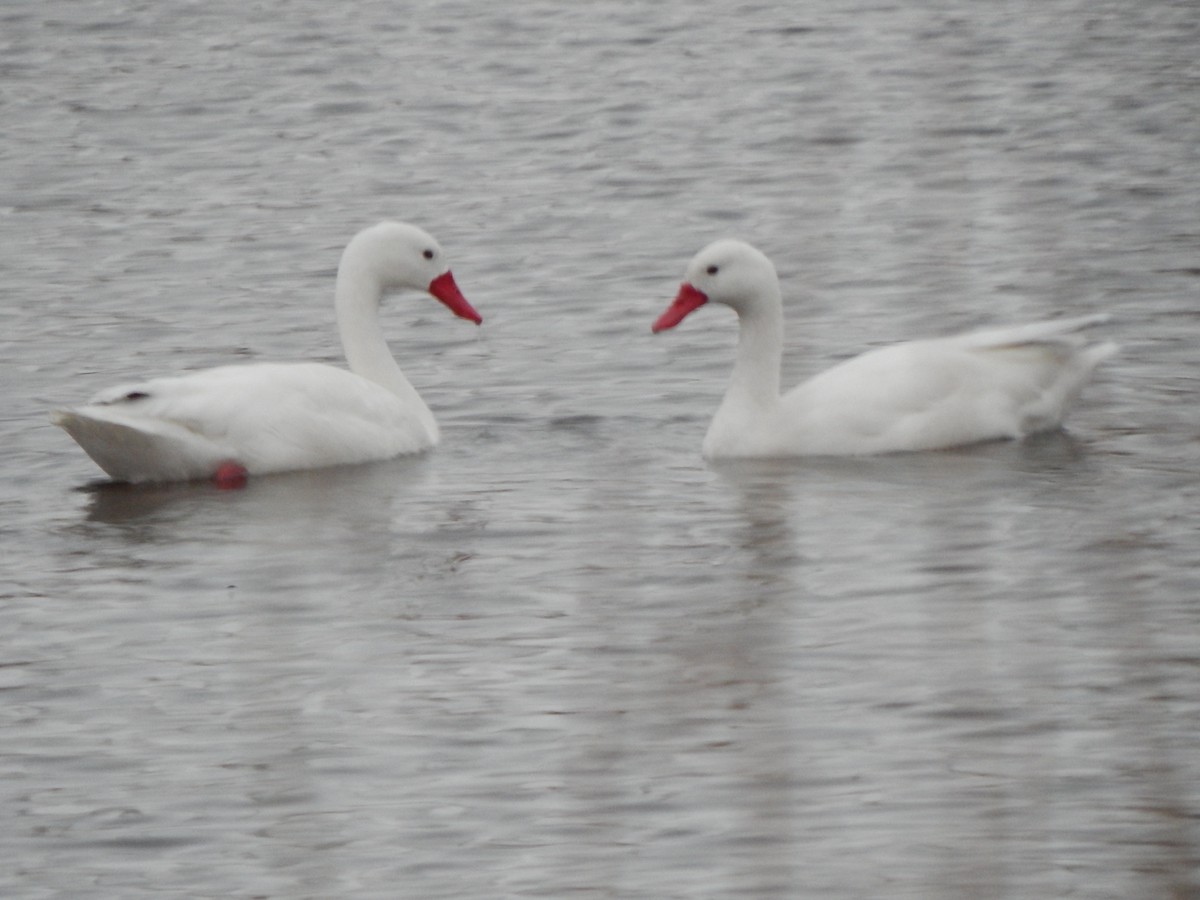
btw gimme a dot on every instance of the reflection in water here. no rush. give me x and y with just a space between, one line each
272 496
561 655
753 670
682 670
114 503
983 691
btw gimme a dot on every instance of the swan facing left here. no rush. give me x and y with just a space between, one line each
233 421
997 383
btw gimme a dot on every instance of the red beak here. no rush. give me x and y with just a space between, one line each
444 288
687 300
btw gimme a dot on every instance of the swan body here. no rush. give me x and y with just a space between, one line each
275 417
984 385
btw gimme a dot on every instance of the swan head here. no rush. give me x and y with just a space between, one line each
396 255
726 271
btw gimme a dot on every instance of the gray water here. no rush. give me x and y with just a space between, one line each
562 656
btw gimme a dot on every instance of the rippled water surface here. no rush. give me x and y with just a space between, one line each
562 656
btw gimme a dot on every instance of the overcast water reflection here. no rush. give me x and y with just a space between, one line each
561 655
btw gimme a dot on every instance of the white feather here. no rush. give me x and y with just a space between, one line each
274 417
922 395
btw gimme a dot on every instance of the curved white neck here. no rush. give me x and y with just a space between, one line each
754 384
356 302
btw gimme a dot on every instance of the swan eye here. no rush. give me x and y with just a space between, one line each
713 270
428 254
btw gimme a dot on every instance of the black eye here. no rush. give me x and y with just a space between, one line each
428 254
713 270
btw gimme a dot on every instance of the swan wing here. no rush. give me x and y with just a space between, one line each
267 417
1000 383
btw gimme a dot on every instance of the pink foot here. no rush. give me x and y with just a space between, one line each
230 476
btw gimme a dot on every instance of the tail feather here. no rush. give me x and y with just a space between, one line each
1071 375
1054 331
138 451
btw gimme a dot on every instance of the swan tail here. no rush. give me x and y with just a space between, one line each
1074 367
1062 332
136 451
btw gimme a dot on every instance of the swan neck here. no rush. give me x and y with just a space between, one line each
755 380
356 302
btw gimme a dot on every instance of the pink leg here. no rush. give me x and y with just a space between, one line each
230 476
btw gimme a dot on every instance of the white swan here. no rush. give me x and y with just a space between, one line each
232 421
922 395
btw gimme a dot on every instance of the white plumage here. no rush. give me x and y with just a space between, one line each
275 417
921 395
